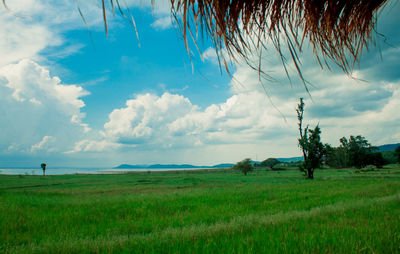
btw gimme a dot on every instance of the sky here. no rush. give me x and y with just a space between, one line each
72 96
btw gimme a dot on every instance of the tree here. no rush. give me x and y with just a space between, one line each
270 162
244 166
43 165
310 144
397 152
336 157
358 149
353 152
375 159
314 150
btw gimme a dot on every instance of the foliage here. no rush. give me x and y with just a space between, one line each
375 159
358 149
389 157
397 152
244 166
270 162
336 157
353 152
310 144
314 150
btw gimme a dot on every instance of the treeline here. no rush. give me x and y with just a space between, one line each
353 152
358 152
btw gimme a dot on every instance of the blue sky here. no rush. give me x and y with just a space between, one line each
70 100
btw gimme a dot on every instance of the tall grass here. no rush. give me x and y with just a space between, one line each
209 211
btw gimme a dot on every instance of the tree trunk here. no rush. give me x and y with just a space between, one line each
310 172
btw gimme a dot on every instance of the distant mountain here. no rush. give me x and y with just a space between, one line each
291 159
127 166
223 165
388 147
181 166
170 166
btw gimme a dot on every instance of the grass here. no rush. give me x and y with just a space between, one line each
211 211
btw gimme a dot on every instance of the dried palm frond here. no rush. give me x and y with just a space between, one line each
337 29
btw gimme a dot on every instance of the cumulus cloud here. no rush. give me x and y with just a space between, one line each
172 121
145 119
37 109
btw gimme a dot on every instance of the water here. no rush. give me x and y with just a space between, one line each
70 171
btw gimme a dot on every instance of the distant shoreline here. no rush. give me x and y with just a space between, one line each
72 171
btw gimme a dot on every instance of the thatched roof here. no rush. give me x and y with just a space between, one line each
338 30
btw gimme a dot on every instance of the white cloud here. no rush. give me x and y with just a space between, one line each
162 23
145 119
37 106
44 144
20 40
172 122
87 145
341 104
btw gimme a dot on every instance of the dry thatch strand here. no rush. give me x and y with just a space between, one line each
337 29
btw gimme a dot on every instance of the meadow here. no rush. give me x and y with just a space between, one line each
209 211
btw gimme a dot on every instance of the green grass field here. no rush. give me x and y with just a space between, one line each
220 211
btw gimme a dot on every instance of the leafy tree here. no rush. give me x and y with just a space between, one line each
353 152
390 157
336 157
314 150
244 166
397 152
310 144
270 162
375 159
358 149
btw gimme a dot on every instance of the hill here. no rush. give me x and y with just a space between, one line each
291 159
170 166
388 147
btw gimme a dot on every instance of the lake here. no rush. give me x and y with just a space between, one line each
69 171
